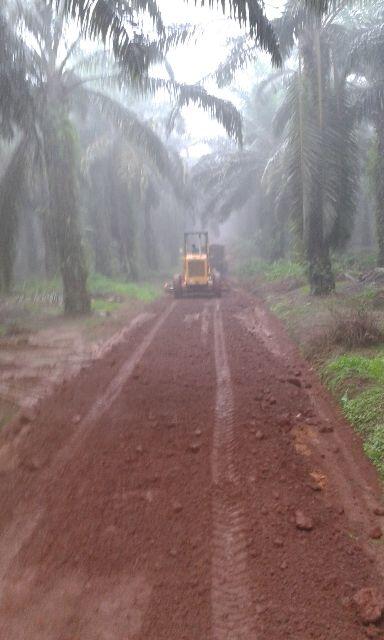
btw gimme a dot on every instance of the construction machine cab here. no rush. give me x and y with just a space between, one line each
197 275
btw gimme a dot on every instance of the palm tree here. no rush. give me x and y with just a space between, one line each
319 159
54 86
367 62
114 20
11 186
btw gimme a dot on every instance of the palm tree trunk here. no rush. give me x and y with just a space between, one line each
321 278
149 239
50 245
379 123
60 154
304 186
11 186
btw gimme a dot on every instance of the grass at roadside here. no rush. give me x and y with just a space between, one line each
144 291
279 270
341 335
37 303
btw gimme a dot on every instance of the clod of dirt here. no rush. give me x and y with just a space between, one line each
259 435
34 464
303 522
198 432
194 447
378 511
326 428
26 416
278 542
295 381
369 605
76 419
139 449
284 420
177 507
372 632
318 481
375 533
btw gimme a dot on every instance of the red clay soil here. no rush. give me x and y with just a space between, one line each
195 483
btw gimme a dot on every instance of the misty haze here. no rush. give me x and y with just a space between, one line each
191 320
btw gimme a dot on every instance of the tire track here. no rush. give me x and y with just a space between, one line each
205 318
104 403
231 600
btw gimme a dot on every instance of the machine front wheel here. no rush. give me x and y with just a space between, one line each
177 287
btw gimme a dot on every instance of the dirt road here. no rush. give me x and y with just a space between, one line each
194 483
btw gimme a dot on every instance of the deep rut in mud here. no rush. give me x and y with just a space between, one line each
155 496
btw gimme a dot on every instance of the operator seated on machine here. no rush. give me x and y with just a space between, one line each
195 249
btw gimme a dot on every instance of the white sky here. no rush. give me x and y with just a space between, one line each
192 61
201 56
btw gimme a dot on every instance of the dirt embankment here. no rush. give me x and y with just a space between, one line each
36 353
195 482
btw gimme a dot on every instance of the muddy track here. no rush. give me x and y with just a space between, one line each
154 496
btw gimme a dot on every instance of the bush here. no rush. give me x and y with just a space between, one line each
374 448
144 291
348 367
355 328
360 383
348 329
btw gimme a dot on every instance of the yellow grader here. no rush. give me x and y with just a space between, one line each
198 275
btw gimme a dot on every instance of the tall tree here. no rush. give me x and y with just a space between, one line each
367 62
54 85
320 157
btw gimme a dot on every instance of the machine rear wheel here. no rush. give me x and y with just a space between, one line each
217 287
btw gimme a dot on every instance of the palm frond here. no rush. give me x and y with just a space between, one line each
15 97
134 129
241 54
183 94
110 21
369 101
368 49
223 183
250 13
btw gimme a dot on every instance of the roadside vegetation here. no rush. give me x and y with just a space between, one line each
342 335
37 303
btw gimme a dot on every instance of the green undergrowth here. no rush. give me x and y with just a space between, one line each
144 291
354 263
104 306
272 272
35 287
41 290
358 381
342 334
37 303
